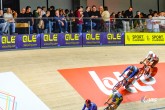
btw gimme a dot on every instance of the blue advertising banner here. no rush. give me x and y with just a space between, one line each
8 42
69 39
112 38
91 38
28 41
48 40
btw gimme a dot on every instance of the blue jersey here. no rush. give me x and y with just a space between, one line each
92 106
134 72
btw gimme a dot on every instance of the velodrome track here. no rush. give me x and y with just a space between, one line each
38 69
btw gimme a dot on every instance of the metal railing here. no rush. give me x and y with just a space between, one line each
50 25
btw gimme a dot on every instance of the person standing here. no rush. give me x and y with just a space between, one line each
79 19
127 19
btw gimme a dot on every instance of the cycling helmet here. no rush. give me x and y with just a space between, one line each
131 67
88 101
151 53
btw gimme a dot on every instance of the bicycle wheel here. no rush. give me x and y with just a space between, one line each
118 85
140 73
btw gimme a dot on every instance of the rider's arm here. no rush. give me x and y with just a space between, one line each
109 97
125 70
133 73
84 107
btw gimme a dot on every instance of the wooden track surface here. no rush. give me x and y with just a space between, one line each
37 68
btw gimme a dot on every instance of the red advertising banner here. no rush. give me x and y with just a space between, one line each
96 83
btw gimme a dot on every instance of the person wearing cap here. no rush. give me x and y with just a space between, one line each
89 105
116 97
151 58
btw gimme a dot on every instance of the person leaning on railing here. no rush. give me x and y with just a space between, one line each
105 17
79 19
29 18
87 20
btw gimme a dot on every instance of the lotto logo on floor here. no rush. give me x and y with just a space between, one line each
96 83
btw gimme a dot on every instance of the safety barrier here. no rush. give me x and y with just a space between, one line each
83 39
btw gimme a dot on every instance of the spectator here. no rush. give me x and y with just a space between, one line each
149 23
67 14
79 19
126 22
15 15
87 20
61 22
52 11
9 18
105 16
37 20
71 13
46 21
162 21
29 18
155 22
62 12
3 24
113 21
22 13
22 16
101 9
138 23
95 15
89 105
119 25
43 11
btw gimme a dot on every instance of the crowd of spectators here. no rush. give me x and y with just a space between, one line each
43 20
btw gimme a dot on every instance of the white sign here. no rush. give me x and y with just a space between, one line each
15 95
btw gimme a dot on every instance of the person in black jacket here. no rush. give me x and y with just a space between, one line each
87 20
95 15
127 19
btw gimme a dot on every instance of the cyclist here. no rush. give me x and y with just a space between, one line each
132 71
116 97
151 58
89 105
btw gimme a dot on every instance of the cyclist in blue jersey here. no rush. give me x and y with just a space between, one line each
132 71
89 105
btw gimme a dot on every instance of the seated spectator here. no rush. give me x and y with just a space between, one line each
29 18
105 16
9 18
46 21
61 22
95 15
3 24
88 24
